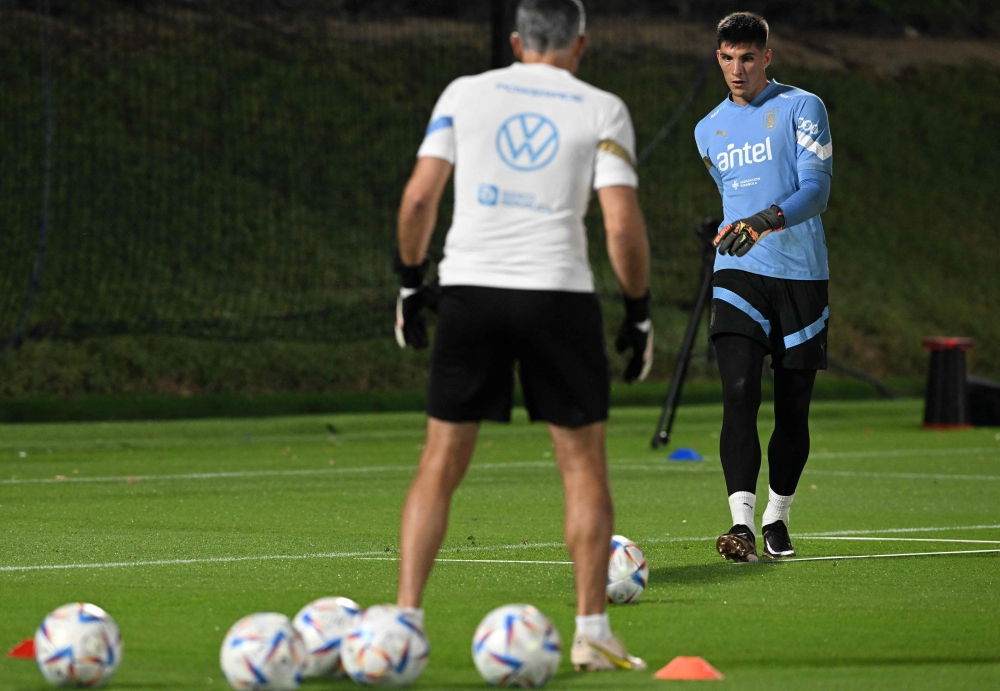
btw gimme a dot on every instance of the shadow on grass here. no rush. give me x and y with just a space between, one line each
836 661
698 574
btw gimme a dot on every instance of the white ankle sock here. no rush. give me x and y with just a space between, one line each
414 614
741 504
777 508
596 626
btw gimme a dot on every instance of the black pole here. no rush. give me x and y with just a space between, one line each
501 23
662 437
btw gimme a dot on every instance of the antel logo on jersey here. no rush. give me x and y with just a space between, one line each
528 141
749 154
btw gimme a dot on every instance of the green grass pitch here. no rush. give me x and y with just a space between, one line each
236 516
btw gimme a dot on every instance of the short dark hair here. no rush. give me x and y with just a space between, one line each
546 25
743 29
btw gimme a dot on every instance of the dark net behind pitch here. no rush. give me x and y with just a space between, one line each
233 170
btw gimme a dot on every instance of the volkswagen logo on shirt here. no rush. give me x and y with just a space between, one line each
528 141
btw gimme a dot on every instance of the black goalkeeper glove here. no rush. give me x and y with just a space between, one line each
636 333
738 238
414 294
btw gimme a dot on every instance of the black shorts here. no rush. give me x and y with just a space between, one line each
788 317
555 337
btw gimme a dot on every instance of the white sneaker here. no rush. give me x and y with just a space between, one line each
590 656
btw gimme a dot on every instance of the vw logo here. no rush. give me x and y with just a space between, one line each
528 141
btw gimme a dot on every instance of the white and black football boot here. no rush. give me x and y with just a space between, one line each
777 542
739 544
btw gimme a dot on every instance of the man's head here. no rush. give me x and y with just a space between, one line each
552 31
743 54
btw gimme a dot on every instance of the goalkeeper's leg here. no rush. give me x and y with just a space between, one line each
787 453
740 361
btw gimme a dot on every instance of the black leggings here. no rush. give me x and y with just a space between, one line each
741 361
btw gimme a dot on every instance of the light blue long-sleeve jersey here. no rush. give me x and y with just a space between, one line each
777 150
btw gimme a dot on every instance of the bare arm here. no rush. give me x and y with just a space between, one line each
628 246
419 208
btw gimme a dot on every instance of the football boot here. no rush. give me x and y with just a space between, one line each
739 544
589 655
777 542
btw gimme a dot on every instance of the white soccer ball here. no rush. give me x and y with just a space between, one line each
323 623
262 652
385 648
628 571
516 645
78 645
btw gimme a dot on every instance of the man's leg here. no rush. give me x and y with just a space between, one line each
787 453
740 361
444 461
589 525
589 514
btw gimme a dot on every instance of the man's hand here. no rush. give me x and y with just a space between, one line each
738 238
414 294
636 333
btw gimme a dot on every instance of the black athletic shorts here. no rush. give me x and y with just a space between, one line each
788 317
555 337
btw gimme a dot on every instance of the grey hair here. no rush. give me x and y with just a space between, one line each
549 25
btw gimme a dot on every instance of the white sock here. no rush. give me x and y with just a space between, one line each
741 504
596 626
414 614
777 508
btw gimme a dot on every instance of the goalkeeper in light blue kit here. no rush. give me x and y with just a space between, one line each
769 150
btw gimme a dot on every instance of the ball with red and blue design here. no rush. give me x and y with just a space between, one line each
516 645
78 645
387 647
323 624
262 652
628 572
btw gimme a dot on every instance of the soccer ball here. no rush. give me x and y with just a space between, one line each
262 652
323 624
628 571
516 645
78 645
385 648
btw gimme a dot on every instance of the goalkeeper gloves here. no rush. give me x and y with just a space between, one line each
738 238
636 333
414 294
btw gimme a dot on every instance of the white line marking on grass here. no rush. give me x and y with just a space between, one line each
475 561
272 557
834 473
904 452
901 530
173 562
259 473
900 539
450 550
885 556
307 472
903 476
833 455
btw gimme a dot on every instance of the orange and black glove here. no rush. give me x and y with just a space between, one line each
738 238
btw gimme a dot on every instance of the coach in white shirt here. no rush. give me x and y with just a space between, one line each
527 144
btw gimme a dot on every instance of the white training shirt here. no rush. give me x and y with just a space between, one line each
528 142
